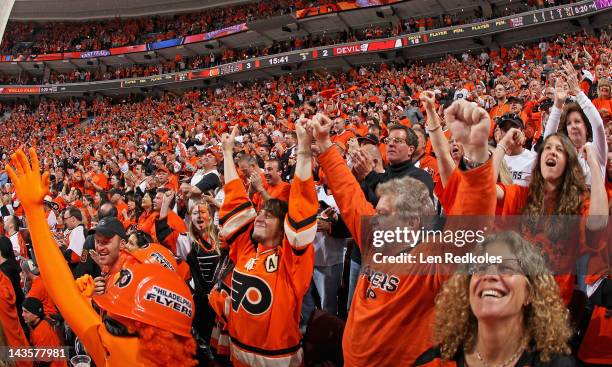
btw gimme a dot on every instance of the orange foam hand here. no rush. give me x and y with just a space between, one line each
30 186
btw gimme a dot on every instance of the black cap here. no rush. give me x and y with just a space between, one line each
111 226
512 118
369 138
116 191
513 99
34 305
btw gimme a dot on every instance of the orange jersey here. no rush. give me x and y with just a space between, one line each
280 191
268 283
390 306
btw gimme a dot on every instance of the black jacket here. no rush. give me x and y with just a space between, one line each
392 171
527 359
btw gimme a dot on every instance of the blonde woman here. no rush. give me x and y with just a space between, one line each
200 248
504 314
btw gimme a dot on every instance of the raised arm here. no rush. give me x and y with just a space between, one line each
598 210
301 221
31 188
237 211
514 138
344 186
229 166
555 113
446 164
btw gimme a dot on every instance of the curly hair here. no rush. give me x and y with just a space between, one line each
546 318
162 348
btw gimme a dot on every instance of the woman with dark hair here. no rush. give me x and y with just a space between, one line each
580 121
511 315
12 270
133 202
557 188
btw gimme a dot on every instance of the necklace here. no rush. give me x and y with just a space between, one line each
505 364
250 265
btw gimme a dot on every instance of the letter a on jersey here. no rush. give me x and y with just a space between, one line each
251 293
271 263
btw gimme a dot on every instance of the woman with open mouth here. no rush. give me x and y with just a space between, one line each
200 248
505 314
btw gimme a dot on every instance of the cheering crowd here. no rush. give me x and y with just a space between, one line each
224 226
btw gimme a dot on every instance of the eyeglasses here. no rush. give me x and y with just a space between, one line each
509 266
68 217
394 140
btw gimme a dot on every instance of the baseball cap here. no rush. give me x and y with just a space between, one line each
110 226
512 118
369 138
35 306
513 99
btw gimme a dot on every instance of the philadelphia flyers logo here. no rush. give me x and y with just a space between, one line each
125 277
251 293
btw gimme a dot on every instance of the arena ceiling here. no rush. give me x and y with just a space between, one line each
96 9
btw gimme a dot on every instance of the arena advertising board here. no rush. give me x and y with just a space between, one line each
300 56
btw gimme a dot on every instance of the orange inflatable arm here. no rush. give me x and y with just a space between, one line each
31 188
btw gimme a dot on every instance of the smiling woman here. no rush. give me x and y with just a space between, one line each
505 314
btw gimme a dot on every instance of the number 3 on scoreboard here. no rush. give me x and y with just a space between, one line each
248 65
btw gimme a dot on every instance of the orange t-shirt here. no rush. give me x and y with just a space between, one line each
343 138
121 207
43 335
15 336
391 306
603 103
497 111
38 290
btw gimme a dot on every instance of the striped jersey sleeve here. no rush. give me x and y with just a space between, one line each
301 220
236 213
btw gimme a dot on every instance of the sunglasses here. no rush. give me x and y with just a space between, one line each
114 327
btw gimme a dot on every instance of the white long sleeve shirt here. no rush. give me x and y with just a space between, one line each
599 134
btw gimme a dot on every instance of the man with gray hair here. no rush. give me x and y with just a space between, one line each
392 301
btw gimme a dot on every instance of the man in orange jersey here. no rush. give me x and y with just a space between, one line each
342 135
273 256
274 188
389 323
